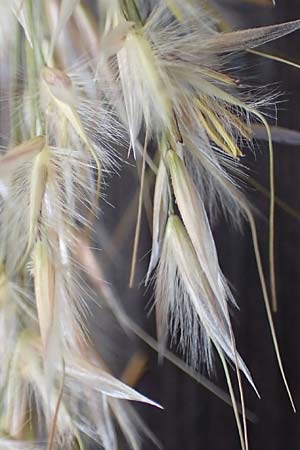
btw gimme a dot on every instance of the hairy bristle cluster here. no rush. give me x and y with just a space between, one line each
84 85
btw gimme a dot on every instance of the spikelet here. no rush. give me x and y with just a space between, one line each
196 223
76 121
46 302
27 381
176 63
186 300
160 215
23 183
139 78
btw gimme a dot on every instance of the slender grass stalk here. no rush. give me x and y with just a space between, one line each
139 216
54 421
234 403
275 58
267 303
271 214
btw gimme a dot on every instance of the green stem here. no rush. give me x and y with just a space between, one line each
31 77
39 57
16 135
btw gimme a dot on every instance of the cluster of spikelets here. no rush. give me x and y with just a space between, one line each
80 81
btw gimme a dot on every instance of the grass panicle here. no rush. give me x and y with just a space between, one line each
80 88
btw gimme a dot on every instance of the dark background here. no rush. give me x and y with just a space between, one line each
193 418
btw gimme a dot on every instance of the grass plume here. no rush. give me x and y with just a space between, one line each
94 84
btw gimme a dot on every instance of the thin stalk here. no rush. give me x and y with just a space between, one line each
32 80
266 300
275 58
34 60
16 128
241 391
55 417
271 214
139 216
35 42
233 400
